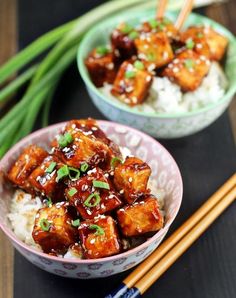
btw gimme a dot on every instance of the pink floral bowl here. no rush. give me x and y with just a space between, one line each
165 173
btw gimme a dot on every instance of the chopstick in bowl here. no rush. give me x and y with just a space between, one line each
161 7
172 248
185 11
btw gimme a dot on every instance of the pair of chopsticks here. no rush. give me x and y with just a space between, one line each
185 11
171 249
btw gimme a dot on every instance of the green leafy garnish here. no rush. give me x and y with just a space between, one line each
126 28
114 161
99 230
49 202
75 223
133 34
74 173
130 74
45 224
151 57
190 44
62 173
65 140
93 197
72 191
200 35
84 167
51 167
189 63
102 50
154 23
101 184
139 65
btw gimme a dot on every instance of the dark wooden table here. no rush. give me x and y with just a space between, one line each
208 269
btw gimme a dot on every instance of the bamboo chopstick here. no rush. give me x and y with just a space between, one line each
142 269
161 7
188 5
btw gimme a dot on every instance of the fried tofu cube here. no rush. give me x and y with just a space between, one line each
132 84
91 200
122 41
43 179
131 178
99 237
53 229
30 158
101 66
188 70
80 142
140 218
154 49
160 25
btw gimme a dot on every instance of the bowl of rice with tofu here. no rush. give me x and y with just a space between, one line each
78 219
141 72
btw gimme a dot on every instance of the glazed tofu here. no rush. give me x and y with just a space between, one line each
29 159
53 229
216 42
99 237
140 218
131 178
82 143
91 200
187 70
160 25
132 83
43 179
154 49
122 40
101 66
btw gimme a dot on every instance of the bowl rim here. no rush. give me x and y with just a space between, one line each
138 14
10 234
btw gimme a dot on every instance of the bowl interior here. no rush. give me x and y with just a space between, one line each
100 35
165 172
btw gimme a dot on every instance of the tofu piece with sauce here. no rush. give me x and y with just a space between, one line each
132 83
93 194
53 229
99 237
44 179
30 158
131 178
154 49
187 70
101 66
140 218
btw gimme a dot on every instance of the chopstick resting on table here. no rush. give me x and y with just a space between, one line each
172 248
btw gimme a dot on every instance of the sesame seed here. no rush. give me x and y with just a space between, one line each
89 212
92 241
106 175
94 128
130 179
175 69
122 191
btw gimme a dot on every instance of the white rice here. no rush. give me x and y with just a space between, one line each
167 97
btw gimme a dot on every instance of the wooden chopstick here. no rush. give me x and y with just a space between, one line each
161 7
168 244
187 8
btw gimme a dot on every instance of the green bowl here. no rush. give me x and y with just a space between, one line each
161 125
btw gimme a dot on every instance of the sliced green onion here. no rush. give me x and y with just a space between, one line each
75 223
65 140
114 161
84 167
166 21
45 224
62 173
102 50
76 171
130 74
51 167
190 44
49 202
96 198
139 65
189 63
126 29
101 184
133 34
200 35
99 230
72 191
154 23
151 57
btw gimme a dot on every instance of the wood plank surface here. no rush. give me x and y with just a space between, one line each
8 46
223 13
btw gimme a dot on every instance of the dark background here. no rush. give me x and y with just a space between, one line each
206 160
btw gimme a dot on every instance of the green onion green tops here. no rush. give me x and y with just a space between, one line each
72 191
190 44
75 223
51 167
84 167
102 50
49 202
133 34
99 230
65 140
166 21
74 173
139 65
114 161
101 184
151 57
126 29
62 173
200 35
130 74
189 63
93 197
153 23
45 225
